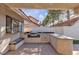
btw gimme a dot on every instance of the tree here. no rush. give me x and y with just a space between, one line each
46 20
52 16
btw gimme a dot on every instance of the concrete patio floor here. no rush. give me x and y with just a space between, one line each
34 49
76 49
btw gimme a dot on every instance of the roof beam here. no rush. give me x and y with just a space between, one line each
43 5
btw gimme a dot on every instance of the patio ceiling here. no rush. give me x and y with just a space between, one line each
43 5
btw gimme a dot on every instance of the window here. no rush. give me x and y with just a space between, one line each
8 24
20 26
13 25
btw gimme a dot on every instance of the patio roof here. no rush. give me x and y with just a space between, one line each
44 5
33 20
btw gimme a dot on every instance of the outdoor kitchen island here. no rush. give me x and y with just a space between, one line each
62 44
37 38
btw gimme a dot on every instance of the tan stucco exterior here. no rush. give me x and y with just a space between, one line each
4 10
28 25
62 45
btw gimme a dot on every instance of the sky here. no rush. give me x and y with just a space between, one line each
39 14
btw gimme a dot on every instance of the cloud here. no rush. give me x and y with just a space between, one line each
41 17
39 14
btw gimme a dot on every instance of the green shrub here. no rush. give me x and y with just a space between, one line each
75 41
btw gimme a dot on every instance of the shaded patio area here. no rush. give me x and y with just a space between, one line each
34 49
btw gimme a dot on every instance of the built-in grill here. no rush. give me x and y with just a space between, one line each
33 34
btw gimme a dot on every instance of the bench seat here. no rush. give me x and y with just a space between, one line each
16 44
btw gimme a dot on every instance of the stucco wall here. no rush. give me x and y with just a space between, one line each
42 29
71 31
4 10
42 39
58 30
3 29
28 25
2 25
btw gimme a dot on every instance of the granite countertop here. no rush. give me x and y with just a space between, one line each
65 37
61 36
